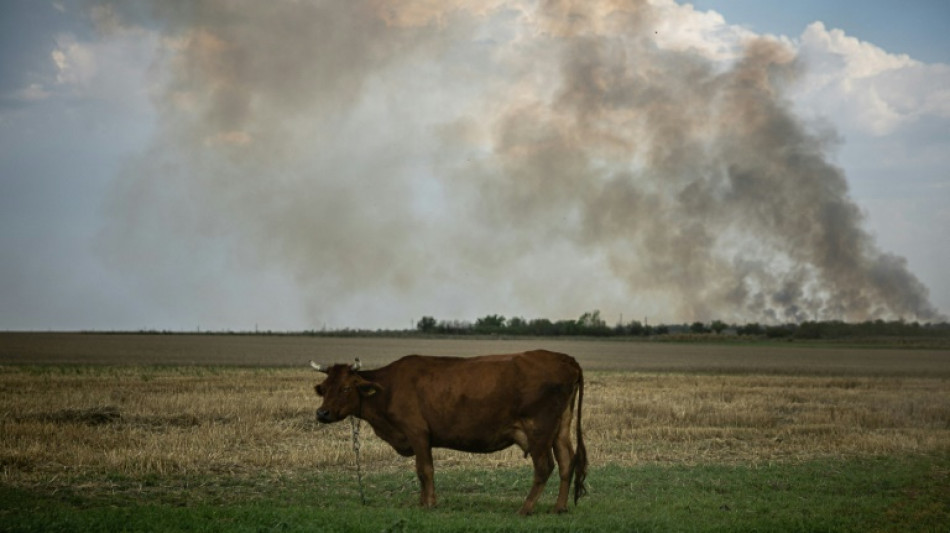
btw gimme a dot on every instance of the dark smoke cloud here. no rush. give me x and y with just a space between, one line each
547 159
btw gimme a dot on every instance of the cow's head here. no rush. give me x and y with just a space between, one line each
343 391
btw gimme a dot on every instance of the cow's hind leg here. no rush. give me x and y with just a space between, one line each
564 453
543 466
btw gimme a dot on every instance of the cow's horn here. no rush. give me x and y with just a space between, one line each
357 365
318 368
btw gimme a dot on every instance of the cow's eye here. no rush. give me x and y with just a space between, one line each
347 389
319 389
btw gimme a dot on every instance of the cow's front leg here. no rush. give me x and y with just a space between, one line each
426 473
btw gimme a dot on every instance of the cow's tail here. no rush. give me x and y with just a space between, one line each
579 462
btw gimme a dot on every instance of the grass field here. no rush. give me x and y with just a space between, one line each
783 444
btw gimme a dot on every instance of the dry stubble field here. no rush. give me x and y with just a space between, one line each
117 414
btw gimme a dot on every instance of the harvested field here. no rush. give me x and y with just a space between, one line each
60 425
91 406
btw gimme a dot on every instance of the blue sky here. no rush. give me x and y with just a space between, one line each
151 179
916 27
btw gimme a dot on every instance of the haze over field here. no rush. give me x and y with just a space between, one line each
301 164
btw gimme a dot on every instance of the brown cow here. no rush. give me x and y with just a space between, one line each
479 404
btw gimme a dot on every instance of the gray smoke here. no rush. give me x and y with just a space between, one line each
550 158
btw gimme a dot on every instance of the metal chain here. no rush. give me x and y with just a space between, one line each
355 423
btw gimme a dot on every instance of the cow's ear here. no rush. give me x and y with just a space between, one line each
368 388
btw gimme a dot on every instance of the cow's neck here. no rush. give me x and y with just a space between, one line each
369 411
385 424
369 407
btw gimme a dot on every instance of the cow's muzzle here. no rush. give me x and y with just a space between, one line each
323 416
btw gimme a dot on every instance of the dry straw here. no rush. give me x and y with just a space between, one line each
98 422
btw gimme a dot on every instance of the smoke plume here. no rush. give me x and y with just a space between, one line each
466 157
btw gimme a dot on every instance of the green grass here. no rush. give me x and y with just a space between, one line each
883 494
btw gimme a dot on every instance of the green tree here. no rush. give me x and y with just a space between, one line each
490 323
698 327
635 327
516 324
541 326
750 329
591 323
426 324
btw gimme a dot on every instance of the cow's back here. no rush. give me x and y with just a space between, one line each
478 404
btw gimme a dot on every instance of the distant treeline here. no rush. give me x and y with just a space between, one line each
591 324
